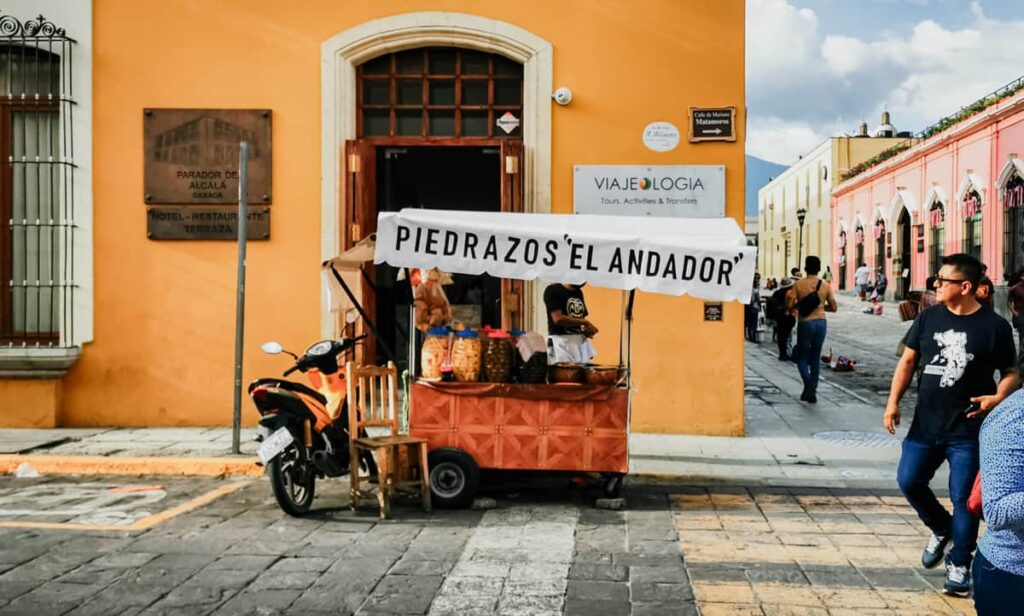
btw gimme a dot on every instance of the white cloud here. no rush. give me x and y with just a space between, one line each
780 39
920 73
781 141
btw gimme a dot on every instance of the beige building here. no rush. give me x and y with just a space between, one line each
807 186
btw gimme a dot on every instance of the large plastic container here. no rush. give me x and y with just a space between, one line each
435 346
466 356
498 357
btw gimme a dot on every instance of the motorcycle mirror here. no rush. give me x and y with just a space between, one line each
272 348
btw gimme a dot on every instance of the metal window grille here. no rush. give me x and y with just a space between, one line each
971 242
37 206
1013 228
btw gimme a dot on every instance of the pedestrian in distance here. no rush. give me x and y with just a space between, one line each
751 310
784 318
811 298
827 276
998 570
961 346
795 273
1015 303
861 280
881 283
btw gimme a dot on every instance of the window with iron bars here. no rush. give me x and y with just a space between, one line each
37 209
1013 229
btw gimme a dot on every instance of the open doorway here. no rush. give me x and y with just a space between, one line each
440 178
903 272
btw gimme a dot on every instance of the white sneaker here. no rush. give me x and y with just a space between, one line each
957 582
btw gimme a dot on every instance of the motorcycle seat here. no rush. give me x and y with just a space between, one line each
289 386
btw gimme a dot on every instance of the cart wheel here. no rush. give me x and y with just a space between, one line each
612 486
454 478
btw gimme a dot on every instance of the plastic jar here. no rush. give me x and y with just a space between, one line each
498 357
466 355
435 347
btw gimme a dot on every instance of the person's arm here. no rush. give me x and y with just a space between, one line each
1008 384
830 302
900 382
1002 485
560 319
1011 306
790 300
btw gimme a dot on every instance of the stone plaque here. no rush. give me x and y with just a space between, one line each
205 223
191 155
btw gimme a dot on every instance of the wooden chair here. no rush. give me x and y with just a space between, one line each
373 403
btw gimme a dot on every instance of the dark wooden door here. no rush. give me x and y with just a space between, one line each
360 181
512 201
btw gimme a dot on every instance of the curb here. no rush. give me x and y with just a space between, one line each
102 465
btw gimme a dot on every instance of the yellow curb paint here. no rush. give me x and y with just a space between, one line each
143 524
102 465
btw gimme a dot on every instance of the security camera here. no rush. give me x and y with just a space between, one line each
562 96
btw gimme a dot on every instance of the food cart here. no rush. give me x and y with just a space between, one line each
552 427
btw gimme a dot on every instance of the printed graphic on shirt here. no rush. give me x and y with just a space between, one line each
575 308
952 359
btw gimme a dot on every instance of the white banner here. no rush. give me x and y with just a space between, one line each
705 258
678 191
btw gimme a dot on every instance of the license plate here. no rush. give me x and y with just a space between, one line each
273 445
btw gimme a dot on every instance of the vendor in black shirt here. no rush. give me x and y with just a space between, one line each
568 328
960 346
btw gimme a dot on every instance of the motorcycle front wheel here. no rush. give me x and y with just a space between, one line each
292 479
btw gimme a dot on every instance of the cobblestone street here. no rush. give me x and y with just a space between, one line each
783 521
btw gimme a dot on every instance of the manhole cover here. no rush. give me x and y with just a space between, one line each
854 438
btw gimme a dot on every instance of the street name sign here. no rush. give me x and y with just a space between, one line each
714 124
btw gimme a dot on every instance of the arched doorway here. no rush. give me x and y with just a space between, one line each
858 241
880 244
340 173
905 274
437 128
841 245
1013 228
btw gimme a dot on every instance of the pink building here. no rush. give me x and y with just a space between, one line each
958 190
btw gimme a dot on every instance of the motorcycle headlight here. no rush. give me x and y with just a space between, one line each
320 348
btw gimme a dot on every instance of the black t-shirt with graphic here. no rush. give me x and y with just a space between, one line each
959 357
570 302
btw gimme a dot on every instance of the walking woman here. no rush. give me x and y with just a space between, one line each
999 562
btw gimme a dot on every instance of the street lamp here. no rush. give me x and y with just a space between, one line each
801 214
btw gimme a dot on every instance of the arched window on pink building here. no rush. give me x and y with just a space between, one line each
1013 227
971 209
937 227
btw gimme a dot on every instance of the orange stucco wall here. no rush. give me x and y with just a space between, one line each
164 311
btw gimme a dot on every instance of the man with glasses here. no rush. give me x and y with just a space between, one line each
961 347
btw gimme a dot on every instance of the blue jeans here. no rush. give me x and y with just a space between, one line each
918 464
996 592
810 337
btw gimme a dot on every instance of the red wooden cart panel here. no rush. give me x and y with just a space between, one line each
516 427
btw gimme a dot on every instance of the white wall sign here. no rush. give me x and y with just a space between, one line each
661 136
679 191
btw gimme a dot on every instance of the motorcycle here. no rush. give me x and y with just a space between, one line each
303 431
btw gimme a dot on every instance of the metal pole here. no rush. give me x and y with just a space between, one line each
243 184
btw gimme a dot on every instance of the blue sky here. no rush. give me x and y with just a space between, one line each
818 67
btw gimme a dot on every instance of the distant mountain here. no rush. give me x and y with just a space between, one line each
759 173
